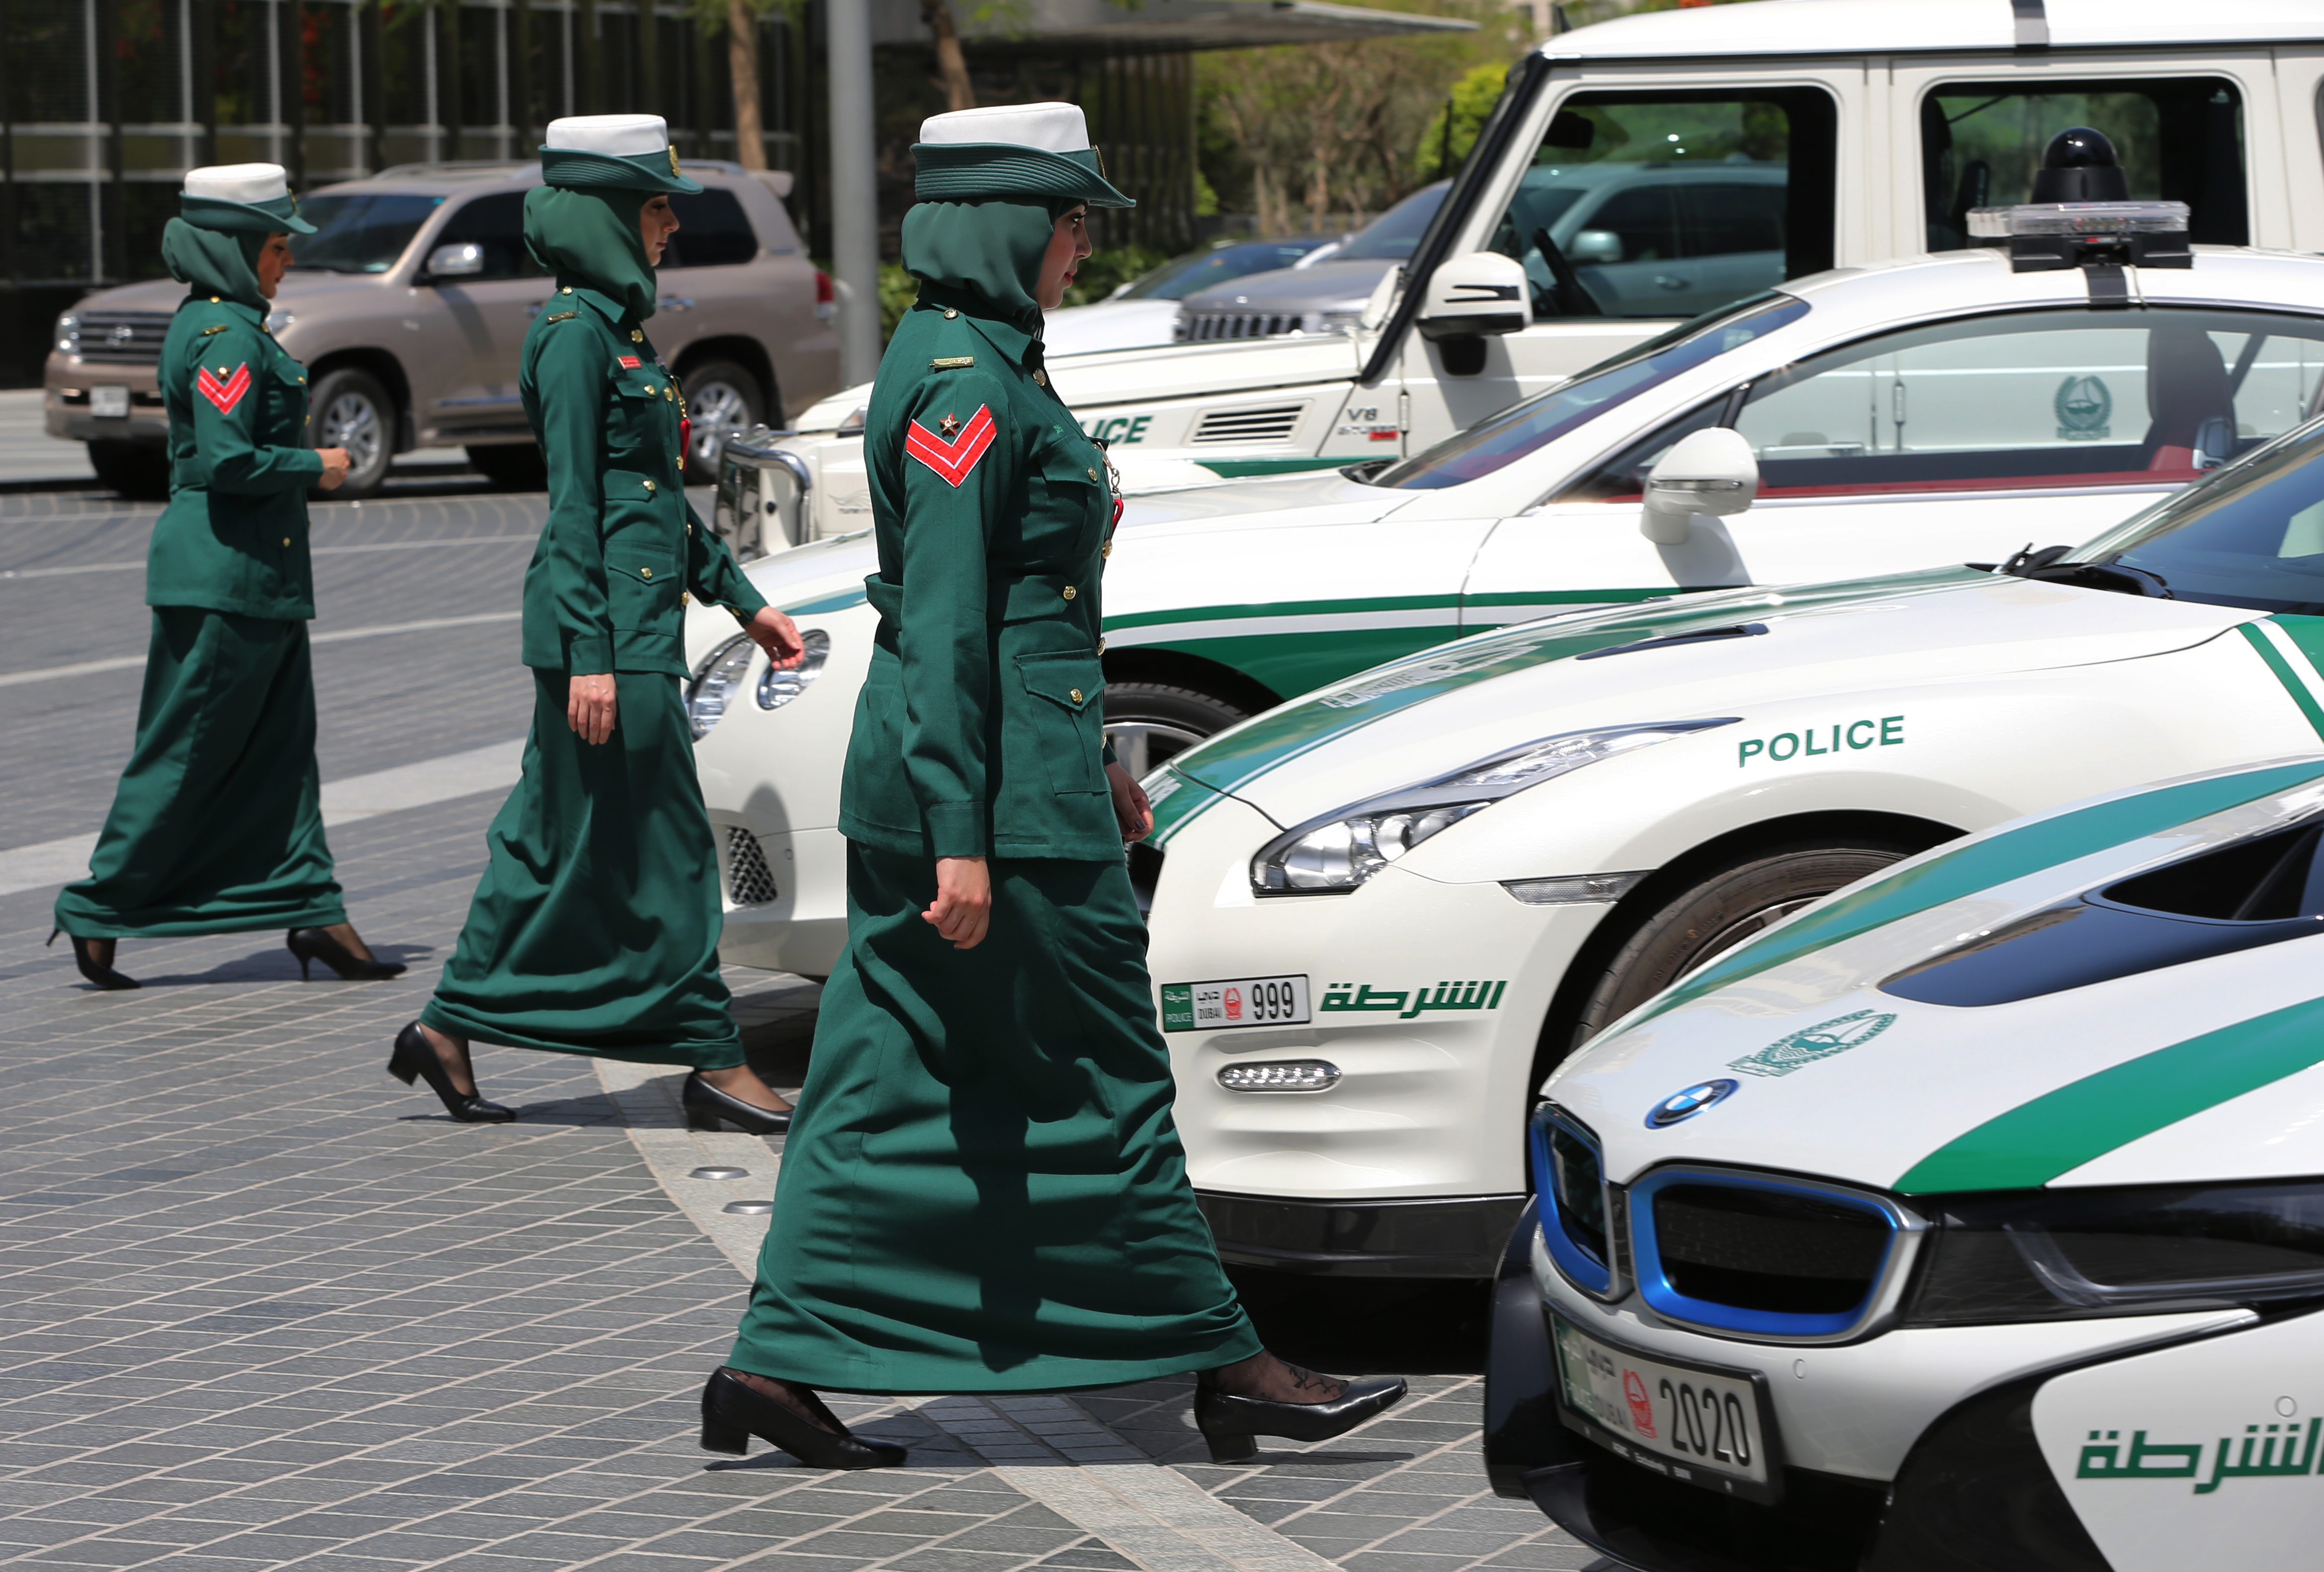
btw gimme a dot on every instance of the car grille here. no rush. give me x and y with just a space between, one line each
749 881
1763 1250
1195 328
123 338
1269 423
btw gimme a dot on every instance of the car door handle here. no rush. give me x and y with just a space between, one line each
676 302
1664 281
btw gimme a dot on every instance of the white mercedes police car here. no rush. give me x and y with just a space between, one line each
1384 912
1867 421
1968 1220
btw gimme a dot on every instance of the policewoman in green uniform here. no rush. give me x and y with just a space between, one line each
984 1190
595 929
218 825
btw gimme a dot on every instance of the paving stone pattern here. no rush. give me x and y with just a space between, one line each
261 1307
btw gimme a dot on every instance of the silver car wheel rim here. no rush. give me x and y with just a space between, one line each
718 410
352 421
1139 746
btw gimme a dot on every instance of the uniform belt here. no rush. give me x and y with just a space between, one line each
1008 598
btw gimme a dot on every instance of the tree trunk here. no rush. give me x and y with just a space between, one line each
743 64
951 64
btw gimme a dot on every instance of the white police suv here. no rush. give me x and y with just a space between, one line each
1968 1220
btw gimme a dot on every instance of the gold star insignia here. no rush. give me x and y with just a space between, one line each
947 426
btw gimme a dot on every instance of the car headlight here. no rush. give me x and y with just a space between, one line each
68 334
1329 322
777 689
2066 1254
277 320
1343 848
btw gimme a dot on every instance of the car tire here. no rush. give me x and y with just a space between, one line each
349 409
1149 723
723 400
139 471
510 466
1720 908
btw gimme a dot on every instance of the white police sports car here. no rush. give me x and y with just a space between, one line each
1970 1219
1385 911
1870 422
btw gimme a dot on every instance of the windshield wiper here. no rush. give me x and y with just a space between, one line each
2048 565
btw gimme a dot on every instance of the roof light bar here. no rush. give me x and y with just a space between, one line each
2048 236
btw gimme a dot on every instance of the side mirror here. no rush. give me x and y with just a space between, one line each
463 260
1594 248
1713 472
1481 291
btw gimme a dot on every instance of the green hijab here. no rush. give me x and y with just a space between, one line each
991 249
217 261
591 237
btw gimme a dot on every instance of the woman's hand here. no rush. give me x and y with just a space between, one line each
777 635
1131 809
589 705
335 466
963 903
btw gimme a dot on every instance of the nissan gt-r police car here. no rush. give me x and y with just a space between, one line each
1969 1220
1385 911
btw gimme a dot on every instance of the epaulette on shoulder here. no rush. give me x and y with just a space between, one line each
220 327
951 363
559 316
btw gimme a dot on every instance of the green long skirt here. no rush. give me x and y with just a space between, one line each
596 927
984 1190
217 824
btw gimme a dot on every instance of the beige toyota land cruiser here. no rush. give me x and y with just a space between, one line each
410 304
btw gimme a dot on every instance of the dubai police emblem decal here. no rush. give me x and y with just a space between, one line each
953 456
1822 1041
2083 407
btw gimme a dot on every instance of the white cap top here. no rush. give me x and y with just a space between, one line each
615 136
238 183
1054 127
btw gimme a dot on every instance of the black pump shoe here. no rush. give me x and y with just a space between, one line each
315 944
1232 1424
706 1106
85 957
732 1413
414 1058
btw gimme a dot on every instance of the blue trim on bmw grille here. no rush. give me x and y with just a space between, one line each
1579 1263
1656 1288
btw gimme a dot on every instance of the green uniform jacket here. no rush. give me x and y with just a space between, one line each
234 537
607 587
991 512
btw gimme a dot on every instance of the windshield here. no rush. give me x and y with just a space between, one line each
1182 276
1391 236
2250 536
358 233
1519 429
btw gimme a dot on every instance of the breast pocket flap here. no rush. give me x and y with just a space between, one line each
1069 679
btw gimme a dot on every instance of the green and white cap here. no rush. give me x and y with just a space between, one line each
249 199
1011 150
613 152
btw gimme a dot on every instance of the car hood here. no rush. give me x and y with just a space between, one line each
163 294
2177 1072
1431 714
1325 286
1110 325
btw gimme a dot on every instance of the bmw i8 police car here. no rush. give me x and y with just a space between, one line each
1385 911
1968 1220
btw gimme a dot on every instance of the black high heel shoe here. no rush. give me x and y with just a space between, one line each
1232 1424
732 1413
315 944
85 957
706 1106
414 1058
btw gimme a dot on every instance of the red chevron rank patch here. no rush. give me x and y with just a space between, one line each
223 391
954 459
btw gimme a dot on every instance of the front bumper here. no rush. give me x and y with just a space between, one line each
1435 1236
66 411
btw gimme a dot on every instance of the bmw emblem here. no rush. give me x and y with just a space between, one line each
1687 1104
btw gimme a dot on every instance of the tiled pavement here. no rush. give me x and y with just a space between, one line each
261 1307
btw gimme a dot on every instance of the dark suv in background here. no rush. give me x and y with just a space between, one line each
411 303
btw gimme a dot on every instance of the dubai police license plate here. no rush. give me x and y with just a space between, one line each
1693 1423
109 403
1234 1002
